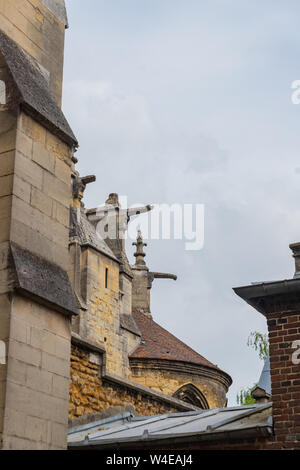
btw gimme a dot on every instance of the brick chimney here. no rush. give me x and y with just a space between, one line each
279 302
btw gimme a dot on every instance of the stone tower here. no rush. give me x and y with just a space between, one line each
143 279
36 161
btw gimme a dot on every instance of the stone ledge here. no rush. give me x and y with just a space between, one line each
108 377
181 367
34 94
42 280
86 343
127 323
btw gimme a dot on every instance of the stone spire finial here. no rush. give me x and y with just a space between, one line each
139 254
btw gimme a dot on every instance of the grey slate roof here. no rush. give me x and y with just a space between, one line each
46 281
81 228
252 420
127 322
35 95
265 378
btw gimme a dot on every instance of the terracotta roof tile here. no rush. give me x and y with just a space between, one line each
158 343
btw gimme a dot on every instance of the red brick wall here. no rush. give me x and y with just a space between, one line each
284 329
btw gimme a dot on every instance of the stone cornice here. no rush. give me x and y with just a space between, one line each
182 367
108 377
86 343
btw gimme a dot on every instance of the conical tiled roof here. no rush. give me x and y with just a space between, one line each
158 343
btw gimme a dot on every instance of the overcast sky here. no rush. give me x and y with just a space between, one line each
178 101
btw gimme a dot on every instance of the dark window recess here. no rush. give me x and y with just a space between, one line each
191 394
2 93
106 278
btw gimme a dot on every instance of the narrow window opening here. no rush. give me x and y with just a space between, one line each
2 352
2 93
106 278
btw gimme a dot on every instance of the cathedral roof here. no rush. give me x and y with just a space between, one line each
81 228
158 343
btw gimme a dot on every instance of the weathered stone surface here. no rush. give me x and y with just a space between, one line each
21 189
34 211
44 280
41 202
58 8
57 189
89 394
27 170
7 160
34 91
33 392
6 185
127 322
43 157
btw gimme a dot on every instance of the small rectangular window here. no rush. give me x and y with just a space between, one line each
2 92
106 278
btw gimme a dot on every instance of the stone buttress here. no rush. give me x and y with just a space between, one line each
36 297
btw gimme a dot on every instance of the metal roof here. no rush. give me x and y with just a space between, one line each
255 293
207 424
265 378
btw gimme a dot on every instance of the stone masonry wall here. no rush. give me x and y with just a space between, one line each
8 130
34 213
37 378
101 322
41 192
169 380
30 24
90 394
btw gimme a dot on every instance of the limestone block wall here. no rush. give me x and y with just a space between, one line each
90 394
125 294
5 309
39 32
101 322
8 132
34 213
41 192
167 377
37 379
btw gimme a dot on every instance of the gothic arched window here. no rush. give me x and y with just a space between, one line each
191 394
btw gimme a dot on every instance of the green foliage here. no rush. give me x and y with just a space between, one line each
244 397
260 343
